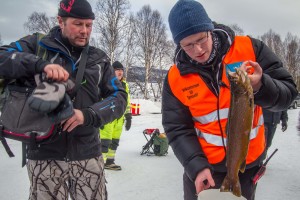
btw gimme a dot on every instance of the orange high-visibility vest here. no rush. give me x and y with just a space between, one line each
192 91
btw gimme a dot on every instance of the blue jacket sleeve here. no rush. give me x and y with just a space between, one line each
114 98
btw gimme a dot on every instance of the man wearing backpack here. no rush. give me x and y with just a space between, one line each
70 164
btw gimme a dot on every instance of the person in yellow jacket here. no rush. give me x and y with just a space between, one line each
110 134
196 97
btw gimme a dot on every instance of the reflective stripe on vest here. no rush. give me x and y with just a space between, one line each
217 140
211 117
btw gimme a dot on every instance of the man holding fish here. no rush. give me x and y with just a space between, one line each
213 98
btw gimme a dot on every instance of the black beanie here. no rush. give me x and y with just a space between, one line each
76 8
117 65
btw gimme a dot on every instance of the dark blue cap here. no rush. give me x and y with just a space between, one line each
188 17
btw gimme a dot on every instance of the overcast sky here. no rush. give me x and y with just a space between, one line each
255 17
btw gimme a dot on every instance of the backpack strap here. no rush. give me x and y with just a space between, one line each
4 143
80 72
40 51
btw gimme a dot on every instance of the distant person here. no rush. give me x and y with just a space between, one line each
196 97
110 134
298 125
271 120
69 165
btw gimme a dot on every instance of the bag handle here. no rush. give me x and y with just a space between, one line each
4 143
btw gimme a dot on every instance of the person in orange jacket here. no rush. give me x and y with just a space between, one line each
196 96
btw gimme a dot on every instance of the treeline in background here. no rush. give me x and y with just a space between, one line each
142 42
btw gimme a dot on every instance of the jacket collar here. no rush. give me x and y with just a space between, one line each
187 65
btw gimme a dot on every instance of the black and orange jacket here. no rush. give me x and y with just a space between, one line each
196 101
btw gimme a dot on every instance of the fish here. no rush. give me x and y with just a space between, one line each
238 129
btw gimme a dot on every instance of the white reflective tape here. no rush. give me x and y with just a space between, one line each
211 139
217 140
254 131
213 116
261 120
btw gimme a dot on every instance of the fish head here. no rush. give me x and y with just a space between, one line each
239 82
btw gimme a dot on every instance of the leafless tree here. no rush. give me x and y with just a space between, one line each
292 56
274 42
163 62
39 22
288 51
110 24
151 32
237 29
128 54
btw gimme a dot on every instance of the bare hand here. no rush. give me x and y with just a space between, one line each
74 121
204 175
254 73
56 72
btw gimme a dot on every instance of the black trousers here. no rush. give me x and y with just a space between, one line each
270 130
248 188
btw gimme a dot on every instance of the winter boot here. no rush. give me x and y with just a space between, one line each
110 164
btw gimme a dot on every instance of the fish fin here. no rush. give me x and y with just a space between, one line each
243 166
233 186
225 187
236 188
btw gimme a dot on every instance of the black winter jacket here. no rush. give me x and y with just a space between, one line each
18 61
277 92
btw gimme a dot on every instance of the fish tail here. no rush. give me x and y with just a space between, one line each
225 187
236 188
233 186
243 167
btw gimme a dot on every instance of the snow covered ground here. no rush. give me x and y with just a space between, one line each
160 178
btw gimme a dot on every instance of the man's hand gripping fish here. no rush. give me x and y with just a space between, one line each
238 129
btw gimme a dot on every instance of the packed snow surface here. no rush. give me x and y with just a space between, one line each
160 178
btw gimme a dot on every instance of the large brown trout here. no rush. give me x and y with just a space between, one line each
238 129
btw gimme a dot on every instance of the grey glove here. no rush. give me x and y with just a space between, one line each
48 94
